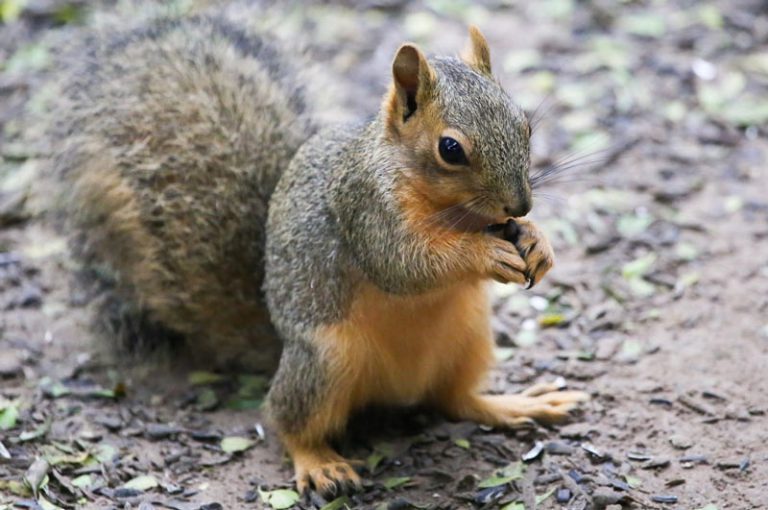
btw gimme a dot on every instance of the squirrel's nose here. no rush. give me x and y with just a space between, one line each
521 208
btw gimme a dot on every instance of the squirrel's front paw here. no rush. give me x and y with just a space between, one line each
504 263
329 478
535 249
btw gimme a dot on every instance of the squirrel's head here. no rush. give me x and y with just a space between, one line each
461 137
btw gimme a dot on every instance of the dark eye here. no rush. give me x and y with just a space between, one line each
451 151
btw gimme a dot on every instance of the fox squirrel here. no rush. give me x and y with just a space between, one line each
198 176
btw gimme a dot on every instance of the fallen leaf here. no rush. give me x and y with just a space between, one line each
502 477
234 444
638 267
8 417
541 497
397 481
37 475
630 225
280 499
338 504
82 481
201 378
10 9
39 431
105 453
47 505
462 443
503 353
549 320
141 483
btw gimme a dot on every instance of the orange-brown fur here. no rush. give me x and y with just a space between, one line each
397 350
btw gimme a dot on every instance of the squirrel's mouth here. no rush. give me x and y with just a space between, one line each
467 220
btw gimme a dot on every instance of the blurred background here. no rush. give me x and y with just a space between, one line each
650 149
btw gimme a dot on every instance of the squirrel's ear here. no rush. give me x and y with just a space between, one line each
476 54
413 78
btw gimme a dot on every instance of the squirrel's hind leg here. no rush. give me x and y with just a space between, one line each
460 397
310 404
516 410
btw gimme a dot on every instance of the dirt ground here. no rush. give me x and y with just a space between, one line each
657 112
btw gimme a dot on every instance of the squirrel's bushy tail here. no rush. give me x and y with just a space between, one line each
170 140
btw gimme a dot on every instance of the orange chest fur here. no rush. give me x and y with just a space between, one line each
400 349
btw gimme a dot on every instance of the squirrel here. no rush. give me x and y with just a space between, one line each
199 178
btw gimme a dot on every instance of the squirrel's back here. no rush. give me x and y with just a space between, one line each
171 139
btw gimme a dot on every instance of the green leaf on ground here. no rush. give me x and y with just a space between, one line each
717 94
15 487
245 404
711 16
47 505
746 111
381 451
280 499
201 378
235 444
641 288
686 251
630 225
53 389
9 417
631 349
504 476
142 483
252 386
541 497
395 482
688 279
638 267
39 431
549 320
519 505
503 353
207 400
462 443
338 504
11 9
31 57
82 481
105 453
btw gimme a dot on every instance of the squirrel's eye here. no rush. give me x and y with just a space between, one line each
451 151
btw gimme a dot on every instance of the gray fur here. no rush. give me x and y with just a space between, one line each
334 222
229 206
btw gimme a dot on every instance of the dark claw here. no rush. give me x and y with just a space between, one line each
531 281
351 487
332 491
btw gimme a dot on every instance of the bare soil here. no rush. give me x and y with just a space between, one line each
658 305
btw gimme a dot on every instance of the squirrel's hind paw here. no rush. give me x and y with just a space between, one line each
542 404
